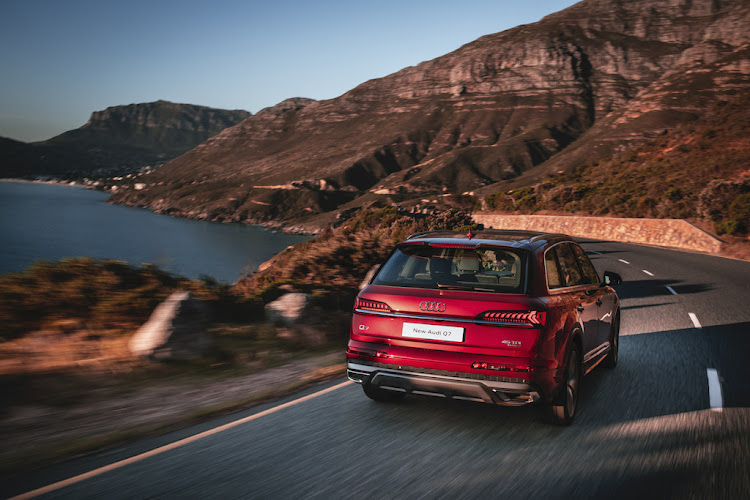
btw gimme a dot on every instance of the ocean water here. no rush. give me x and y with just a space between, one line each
46 221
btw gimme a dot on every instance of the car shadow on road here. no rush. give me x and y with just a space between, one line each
664 373
642 306
594 253
630 289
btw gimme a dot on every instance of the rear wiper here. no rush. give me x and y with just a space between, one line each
462 287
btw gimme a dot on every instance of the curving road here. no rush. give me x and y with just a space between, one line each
671 421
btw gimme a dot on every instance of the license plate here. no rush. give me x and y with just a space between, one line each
433 332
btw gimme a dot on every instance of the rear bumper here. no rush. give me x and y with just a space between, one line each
504 391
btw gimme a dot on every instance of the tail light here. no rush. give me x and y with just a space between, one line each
371 305
510 318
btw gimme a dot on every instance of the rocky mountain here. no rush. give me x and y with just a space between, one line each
506 109
119 139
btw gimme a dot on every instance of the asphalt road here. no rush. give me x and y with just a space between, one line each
646 429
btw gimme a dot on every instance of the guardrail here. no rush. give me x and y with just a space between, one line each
675 233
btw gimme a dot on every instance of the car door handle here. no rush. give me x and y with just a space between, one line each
581 308
598 302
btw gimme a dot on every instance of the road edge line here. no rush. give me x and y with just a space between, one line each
171 446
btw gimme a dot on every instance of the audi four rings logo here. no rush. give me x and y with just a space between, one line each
432 306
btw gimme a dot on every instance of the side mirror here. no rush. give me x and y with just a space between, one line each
612 279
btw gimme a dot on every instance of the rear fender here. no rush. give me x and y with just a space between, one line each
563 339
575 338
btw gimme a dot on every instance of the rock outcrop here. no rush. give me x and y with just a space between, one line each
175 330
288 309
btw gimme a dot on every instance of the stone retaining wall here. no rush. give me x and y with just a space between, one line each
660 232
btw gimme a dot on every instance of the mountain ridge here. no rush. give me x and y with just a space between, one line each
118 139
507 108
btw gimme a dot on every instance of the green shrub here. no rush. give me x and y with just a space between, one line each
732 227
500 201
525 199
672 194
739 209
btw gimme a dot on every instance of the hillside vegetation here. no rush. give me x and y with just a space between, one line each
700 171
88 294
335 262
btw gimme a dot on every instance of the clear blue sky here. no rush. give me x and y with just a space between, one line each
60 60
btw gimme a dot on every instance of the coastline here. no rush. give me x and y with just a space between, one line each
301 229
50 182
275 226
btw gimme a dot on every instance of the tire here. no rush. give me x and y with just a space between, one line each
614 341
563 409
382 395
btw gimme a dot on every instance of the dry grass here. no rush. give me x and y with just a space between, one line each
48 351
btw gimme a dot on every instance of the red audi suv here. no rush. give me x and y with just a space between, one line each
501 317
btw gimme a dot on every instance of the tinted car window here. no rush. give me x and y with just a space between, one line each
570 273
480 269
553 274
589 273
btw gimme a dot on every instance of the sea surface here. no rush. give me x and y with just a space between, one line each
48 221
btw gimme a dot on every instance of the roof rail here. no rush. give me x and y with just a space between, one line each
417 235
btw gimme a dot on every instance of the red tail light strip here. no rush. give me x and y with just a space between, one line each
526 318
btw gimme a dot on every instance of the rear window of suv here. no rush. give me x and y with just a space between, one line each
480 269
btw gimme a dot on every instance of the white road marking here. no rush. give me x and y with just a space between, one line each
595 252
624 261
671 290
647 272
714 390
695 321
157 451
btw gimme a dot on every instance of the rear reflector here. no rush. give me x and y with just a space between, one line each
528 318
369 354
500 368
362 352
371 305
